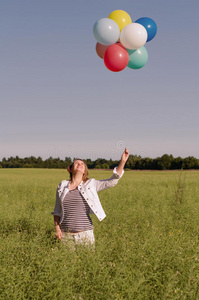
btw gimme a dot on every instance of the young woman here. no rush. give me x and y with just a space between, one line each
77 198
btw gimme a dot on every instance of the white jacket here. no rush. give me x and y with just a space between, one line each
88 191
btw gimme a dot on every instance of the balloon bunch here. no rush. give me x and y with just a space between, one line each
120 42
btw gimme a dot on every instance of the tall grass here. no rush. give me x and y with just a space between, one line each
146 248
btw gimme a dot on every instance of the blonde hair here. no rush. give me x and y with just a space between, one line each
85 175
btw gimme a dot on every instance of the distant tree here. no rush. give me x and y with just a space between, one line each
57 163
90 164
177 163
130 162
33 161
4 163
98 166
105 166
190 162
164 162
67 161
133 162
26 165
113 163
100 161
40 162
27 160
48 163
145 164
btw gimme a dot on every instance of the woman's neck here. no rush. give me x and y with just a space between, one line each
76 180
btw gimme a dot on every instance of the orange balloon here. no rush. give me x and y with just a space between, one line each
100 49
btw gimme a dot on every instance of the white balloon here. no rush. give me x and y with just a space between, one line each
106 31
133 36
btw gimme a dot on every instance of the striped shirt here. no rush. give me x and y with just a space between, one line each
75 213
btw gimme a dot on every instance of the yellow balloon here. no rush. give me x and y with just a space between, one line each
121 18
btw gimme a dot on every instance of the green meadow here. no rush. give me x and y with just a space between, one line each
146 248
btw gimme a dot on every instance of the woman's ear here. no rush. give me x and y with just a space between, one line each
68 169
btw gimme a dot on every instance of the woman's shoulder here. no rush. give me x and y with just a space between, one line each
63 183
89 182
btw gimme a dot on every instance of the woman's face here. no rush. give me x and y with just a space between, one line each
79 166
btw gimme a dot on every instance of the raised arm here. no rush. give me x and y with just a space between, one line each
117 174
124 158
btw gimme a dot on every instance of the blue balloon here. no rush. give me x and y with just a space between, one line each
150 27
106 31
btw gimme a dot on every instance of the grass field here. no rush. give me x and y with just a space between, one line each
146 248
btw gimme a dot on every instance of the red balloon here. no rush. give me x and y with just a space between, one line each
116 57
100 49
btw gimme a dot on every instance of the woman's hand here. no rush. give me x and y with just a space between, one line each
58 232
125 155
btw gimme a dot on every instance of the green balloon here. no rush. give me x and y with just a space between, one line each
137 58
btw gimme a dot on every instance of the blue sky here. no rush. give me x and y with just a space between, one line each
58 99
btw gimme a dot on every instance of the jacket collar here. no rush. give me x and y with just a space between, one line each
79 186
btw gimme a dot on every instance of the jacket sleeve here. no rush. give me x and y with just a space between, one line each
107 183
58 209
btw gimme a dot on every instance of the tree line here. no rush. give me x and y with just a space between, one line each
135 162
